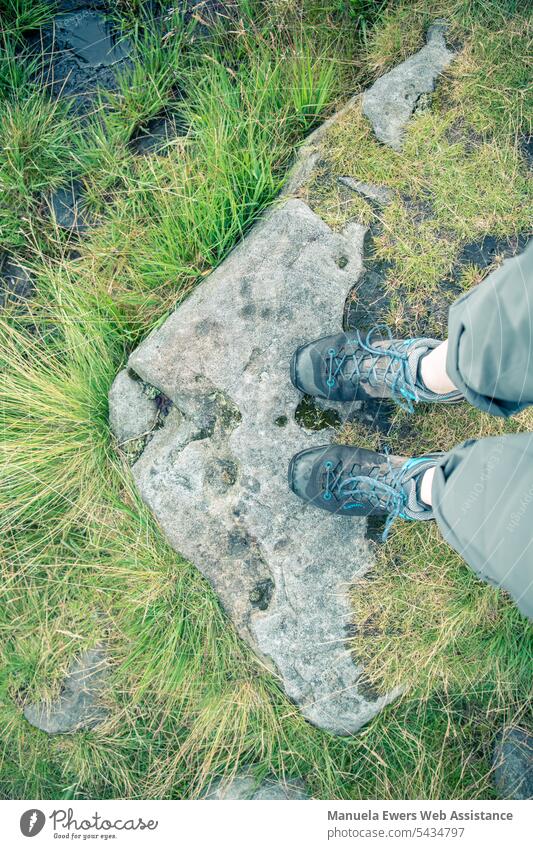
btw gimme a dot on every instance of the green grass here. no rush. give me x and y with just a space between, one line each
81 558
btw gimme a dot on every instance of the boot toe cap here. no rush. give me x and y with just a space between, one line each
303 371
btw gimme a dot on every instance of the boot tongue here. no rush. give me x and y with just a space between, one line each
416 508
413 361
410 488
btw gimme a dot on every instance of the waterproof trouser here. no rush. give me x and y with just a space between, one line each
483 489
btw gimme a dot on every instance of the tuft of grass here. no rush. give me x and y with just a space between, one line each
427 624
36 137
153 81
54 410
16 68
39 142
19 16
174 218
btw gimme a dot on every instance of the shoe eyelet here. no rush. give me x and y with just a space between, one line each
332 352
330 382
327 496
328 464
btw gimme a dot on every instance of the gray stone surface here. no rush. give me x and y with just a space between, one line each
391 101
380 195
132 414
245 786
215 475
513 764
78 705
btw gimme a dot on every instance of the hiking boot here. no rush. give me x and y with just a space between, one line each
353 481
348 367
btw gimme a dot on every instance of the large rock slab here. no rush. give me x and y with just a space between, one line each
78 705
391 101
215 475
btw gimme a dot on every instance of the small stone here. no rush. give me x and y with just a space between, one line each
376 194
391 101
513 764
68 208
526 145
16 283
77 706
245 786
132 413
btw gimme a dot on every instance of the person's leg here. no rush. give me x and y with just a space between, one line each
482 498
426 486
489 357
480 493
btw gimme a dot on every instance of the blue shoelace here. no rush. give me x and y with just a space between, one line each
390 496
397 373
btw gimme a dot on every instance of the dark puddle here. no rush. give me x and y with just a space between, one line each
487 251
68 207
80 53
157 134
261 594
369 301
16 284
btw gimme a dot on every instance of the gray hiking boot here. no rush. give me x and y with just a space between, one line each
353 481
348 367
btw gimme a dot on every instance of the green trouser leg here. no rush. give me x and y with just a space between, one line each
490 339
483 489
483 502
